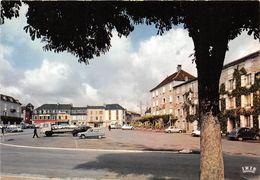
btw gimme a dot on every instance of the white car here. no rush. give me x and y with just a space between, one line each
172 129
92 132
13 128
195 133
127 127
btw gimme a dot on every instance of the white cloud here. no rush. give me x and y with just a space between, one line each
50 78
241 46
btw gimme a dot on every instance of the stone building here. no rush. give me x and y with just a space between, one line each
27 112
240 92
10 110
78 116
162 94
115 115
96 116
185 104
53 113
239 96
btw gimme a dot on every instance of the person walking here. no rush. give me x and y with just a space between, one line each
109 128
3 130
35 132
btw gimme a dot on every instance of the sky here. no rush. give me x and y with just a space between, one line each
124 75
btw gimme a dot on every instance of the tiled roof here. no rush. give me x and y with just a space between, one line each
177 76
113 106
243 59
9 99
54 106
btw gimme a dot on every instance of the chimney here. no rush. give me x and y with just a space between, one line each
178 67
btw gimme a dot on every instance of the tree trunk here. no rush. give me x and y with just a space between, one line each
209 60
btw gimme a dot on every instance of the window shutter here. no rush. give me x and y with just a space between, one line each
234 84
252 99
253 78
227 103
242 81
242 100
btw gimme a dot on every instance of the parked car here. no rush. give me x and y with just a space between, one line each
92 132
115 126
80 129
13 128
172 129
195 133
127 127
242 133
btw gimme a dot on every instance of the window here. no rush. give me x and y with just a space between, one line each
170 99
231 84
246 80
247 121
153 94
231 103
163 90
100 112
170 111
170 87
156 92
163 101
153 104
117 115
247 100
157 102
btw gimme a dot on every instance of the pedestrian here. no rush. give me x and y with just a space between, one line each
3 130
109 128
35 132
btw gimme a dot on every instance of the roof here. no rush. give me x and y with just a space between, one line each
177 76
95 107
9 99
186 82
54 106
243 59
113 107
79 108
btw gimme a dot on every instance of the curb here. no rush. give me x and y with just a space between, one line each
177 151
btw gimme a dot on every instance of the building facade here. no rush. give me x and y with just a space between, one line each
96 116
10 110
53 113
27 112
239 96
185 105
78 116
115 114
240 92
162 94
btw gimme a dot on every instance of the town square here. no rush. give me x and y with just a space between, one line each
129 90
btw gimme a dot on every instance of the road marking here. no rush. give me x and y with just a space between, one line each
90 150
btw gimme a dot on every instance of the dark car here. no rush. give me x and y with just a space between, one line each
243 133
80 129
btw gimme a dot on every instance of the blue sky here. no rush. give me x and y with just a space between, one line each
124 75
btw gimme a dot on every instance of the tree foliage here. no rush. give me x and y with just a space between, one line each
85 28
